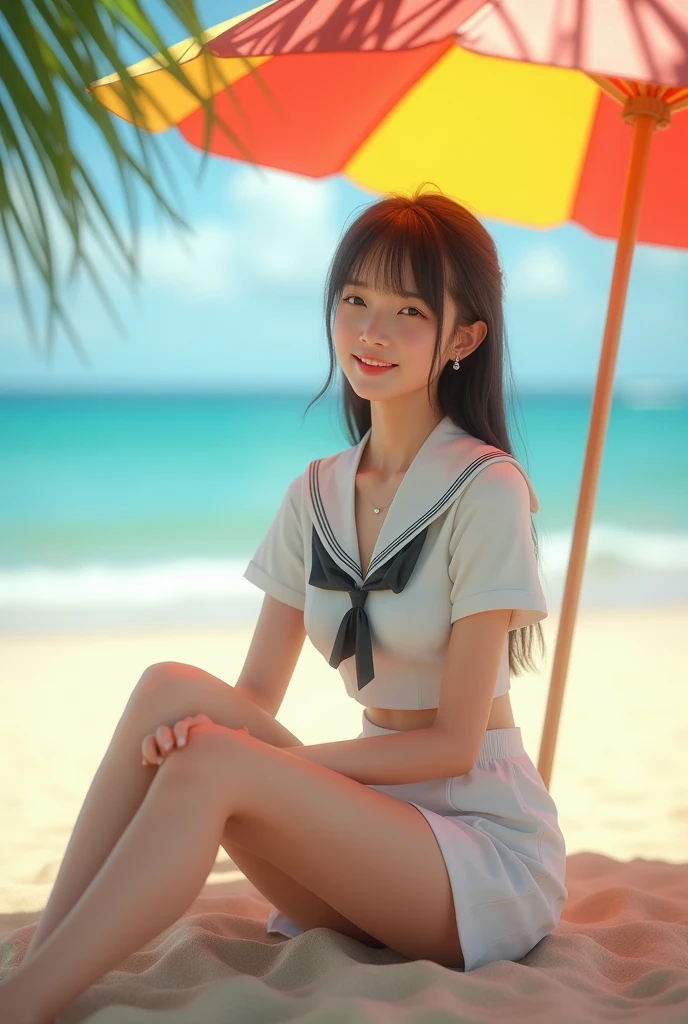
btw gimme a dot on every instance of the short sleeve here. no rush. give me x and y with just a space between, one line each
277 567
492 554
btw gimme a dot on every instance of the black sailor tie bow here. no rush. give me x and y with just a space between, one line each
353 636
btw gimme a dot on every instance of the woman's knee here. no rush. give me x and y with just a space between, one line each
173 684
162 673
170 690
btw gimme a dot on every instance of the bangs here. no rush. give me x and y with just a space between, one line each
381 257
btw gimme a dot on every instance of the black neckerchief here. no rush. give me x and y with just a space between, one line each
353 636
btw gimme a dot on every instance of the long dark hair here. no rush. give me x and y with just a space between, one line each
447 247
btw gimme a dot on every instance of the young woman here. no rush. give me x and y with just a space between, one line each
410 561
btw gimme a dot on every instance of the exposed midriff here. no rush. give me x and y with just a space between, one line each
501 716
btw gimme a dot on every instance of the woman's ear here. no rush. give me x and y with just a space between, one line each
471 337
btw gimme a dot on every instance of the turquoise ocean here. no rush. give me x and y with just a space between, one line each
142 511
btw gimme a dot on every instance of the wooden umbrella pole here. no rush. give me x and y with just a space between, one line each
641 111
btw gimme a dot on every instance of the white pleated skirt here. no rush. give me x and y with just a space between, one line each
498 831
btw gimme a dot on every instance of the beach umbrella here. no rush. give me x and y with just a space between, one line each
536 112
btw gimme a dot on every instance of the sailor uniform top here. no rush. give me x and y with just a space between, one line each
456 540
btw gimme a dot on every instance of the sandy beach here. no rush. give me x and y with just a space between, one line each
617 776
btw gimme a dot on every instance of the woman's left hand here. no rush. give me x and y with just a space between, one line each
163 741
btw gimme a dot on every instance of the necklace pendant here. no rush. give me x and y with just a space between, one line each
376 510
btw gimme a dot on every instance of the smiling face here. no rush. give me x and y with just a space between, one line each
391 326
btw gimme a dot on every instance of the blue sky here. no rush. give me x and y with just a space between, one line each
238 305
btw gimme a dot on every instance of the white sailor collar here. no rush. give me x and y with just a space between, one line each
446 462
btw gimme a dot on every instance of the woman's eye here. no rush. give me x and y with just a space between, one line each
405 307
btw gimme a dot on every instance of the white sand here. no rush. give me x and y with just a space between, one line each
618 777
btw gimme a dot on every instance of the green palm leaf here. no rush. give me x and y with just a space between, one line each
50 51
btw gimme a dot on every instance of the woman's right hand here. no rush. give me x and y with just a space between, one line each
156 746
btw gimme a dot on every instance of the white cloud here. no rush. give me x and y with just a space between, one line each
285 224
542 271
275 229
197 264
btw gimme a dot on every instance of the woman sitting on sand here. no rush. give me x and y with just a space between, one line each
410 561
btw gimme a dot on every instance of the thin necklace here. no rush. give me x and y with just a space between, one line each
380 507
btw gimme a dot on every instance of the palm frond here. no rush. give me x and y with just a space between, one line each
50 52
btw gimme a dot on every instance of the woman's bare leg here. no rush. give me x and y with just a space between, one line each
115 794
165 693
155 872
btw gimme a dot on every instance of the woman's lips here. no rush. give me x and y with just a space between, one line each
372 370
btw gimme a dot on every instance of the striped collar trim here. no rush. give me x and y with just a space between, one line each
446 463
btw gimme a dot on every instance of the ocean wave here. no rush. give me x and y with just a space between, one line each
622 567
